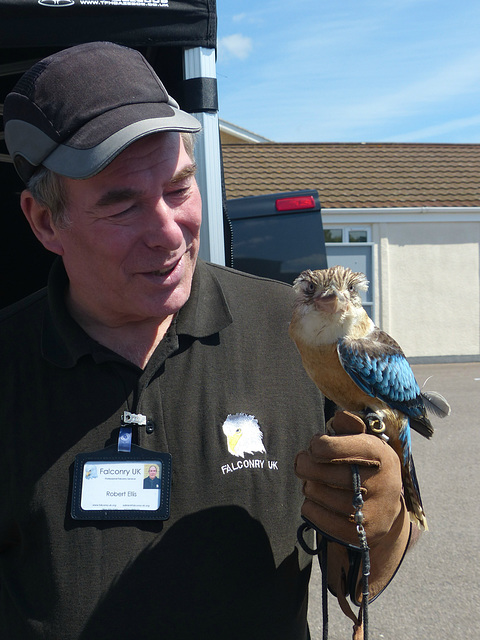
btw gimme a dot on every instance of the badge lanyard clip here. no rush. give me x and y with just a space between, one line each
125 435
125 439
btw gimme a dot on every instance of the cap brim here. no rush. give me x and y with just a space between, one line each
85 163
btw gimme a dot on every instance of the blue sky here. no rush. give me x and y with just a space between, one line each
351 70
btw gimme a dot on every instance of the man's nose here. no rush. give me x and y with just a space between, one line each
163 229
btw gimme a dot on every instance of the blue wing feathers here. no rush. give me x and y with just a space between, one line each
378 366
406 440
381 370
359 380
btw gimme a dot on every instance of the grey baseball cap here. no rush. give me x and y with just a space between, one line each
76 110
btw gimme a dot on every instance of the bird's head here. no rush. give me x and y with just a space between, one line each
330 290
329 298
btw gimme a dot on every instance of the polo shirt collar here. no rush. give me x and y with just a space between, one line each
206 311
64 342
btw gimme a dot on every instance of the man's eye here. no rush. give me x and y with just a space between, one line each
179 191
116 215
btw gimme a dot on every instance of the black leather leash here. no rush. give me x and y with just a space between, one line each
364 548
357 554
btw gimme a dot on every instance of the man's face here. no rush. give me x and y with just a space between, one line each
152 472
131 248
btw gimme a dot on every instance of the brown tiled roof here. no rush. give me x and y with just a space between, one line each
353 175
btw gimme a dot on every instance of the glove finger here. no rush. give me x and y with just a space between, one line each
333 512
334 499
332 474
344 422
362 449
340 502
334 524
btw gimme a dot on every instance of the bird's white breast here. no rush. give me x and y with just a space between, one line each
318 329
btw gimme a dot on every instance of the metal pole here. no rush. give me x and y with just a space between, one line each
200 62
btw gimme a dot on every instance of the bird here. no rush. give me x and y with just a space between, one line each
361 368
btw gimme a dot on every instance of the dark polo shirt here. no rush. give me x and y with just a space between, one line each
226 563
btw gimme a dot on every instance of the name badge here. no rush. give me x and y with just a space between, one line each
112 484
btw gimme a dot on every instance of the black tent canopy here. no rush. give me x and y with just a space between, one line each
62 23
177 37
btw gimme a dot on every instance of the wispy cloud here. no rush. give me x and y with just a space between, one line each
330 71
424 95
239 17
236 46
456 125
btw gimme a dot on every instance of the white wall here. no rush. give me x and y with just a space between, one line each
426 280
429 287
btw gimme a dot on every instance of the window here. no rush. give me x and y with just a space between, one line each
347 234
357 235
333 235
352 247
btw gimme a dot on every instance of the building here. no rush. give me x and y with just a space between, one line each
406 214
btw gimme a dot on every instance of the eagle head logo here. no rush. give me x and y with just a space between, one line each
243 435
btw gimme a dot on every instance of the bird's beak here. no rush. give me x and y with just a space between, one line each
330 301
232 441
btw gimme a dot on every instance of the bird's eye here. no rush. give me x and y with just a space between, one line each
351 288
310 287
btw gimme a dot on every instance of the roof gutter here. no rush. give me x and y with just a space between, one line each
401 214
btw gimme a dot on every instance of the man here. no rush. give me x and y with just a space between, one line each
152 481
132 323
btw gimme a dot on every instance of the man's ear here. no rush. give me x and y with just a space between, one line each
40 220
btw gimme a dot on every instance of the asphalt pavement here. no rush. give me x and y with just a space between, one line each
436 593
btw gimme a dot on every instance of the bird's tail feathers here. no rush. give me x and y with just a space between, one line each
422 425
413 501
435 403
420 520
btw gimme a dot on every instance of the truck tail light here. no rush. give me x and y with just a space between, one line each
300 202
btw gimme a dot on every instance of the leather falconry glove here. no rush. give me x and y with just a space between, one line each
328 488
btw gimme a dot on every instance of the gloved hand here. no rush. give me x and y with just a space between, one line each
328 488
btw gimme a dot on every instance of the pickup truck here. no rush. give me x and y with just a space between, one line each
276 235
